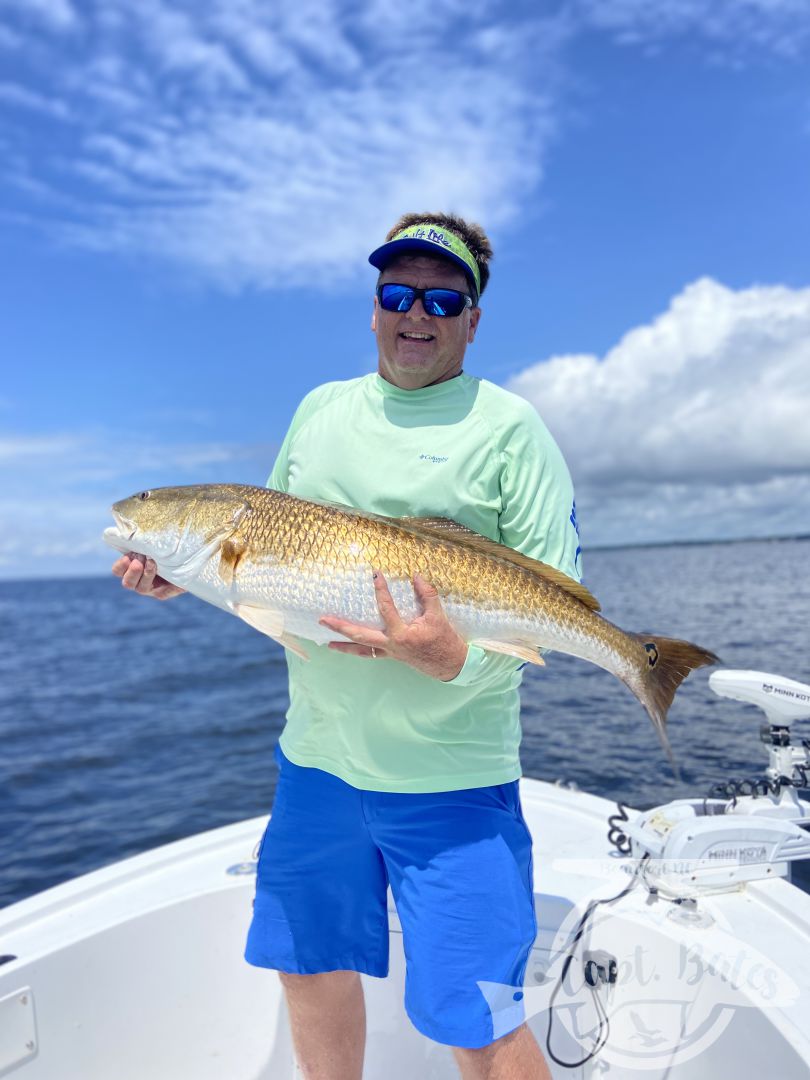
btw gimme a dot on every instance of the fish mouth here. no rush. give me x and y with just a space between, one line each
126 528
119 535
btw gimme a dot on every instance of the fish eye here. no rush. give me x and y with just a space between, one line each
143 495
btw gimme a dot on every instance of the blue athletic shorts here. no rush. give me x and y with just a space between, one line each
459 864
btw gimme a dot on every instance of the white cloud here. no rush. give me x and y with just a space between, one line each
253 142
56 490
55 14
732 26
24 98
692 425
16 449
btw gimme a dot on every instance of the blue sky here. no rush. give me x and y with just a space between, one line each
189 191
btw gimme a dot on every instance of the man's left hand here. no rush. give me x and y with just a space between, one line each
428 643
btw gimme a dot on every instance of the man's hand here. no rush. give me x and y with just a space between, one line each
140 574
428 643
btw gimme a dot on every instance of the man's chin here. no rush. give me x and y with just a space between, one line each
409 368
412 376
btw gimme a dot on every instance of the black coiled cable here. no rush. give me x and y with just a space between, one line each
756 788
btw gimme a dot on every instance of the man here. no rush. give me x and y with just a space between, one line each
403 771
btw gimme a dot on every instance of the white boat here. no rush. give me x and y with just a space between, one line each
697 955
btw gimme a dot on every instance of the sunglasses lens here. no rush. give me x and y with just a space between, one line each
396 297
444 302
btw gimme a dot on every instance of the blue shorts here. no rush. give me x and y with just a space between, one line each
459 864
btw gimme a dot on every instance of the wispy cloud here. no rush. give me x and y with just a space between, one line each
692 425
24 98
57 15
253 141
56 489
731 28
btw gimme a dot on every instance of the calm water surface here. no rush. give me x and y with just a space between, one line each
125 723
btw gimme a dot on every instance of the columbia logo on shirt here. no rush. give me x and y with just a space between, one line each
434 459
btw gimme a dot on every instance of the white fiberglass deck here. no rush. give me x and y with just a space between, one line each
136 971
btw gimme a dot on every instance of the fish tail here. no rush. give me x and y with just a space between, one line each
669 661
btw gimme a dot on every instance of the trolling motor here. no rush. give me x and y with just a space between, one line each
741 831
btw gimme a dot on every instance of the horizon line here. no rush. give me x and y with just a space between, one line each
595 548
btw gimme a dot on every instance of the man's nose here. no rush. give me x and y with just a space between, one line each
417 310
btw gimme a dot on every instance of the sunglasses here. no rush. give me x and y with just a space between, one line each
441 302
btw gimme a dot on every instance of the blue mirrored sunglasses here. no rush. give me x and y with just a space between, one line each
441 302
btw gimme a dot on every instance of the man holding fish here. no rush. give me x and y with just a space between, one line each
399 760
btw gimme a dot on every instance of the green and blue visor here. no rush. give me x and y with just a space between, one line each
430 239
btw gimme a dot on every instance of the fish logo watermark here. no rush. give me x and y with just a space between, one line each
669 984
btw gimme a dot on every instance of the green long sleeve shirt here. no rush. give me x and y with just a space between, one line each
463 449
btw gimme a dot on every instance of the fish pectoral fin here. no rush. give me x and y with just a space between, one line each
230 553
289 641
270 622
512 648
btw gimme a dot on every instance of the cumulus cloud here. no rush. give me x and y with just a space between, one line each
692 425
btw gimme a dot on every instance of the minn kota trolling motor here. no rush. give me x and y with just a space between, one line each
741 831
744 830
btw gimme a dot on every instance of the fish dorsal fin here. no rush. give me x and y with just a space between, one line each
460 534
446 528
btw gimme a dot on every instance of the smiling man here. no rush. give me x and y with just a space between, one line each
399 760
420 349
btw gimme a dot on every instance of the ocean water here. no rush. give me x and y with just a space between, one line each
127 723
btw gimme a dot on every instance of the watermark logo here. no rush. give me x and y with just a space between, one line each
678 980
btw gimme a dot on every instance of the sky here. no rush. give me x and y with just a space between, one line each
189 192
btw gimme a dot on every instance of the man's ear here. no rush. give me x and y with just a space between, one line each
374 316
475 318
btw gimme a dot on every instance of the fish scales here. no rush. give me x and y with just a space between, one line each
281 562
472 585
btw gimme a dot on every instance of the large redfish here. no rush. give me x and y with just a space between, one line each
280 563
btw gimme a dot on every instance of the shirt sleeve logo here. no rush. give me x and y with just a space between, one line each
575 523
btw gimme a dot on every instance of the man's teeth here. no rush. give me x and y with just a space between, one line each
418 337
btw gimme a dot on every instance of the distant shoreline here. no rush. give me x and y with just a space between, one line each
697 543
587 551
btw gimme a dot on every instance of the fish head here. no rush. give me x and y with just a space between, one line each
178 527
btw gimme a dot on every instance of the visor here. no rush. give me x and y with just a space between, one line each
430 239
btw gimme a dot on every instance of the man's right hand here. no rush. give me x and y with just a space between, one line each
140 574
